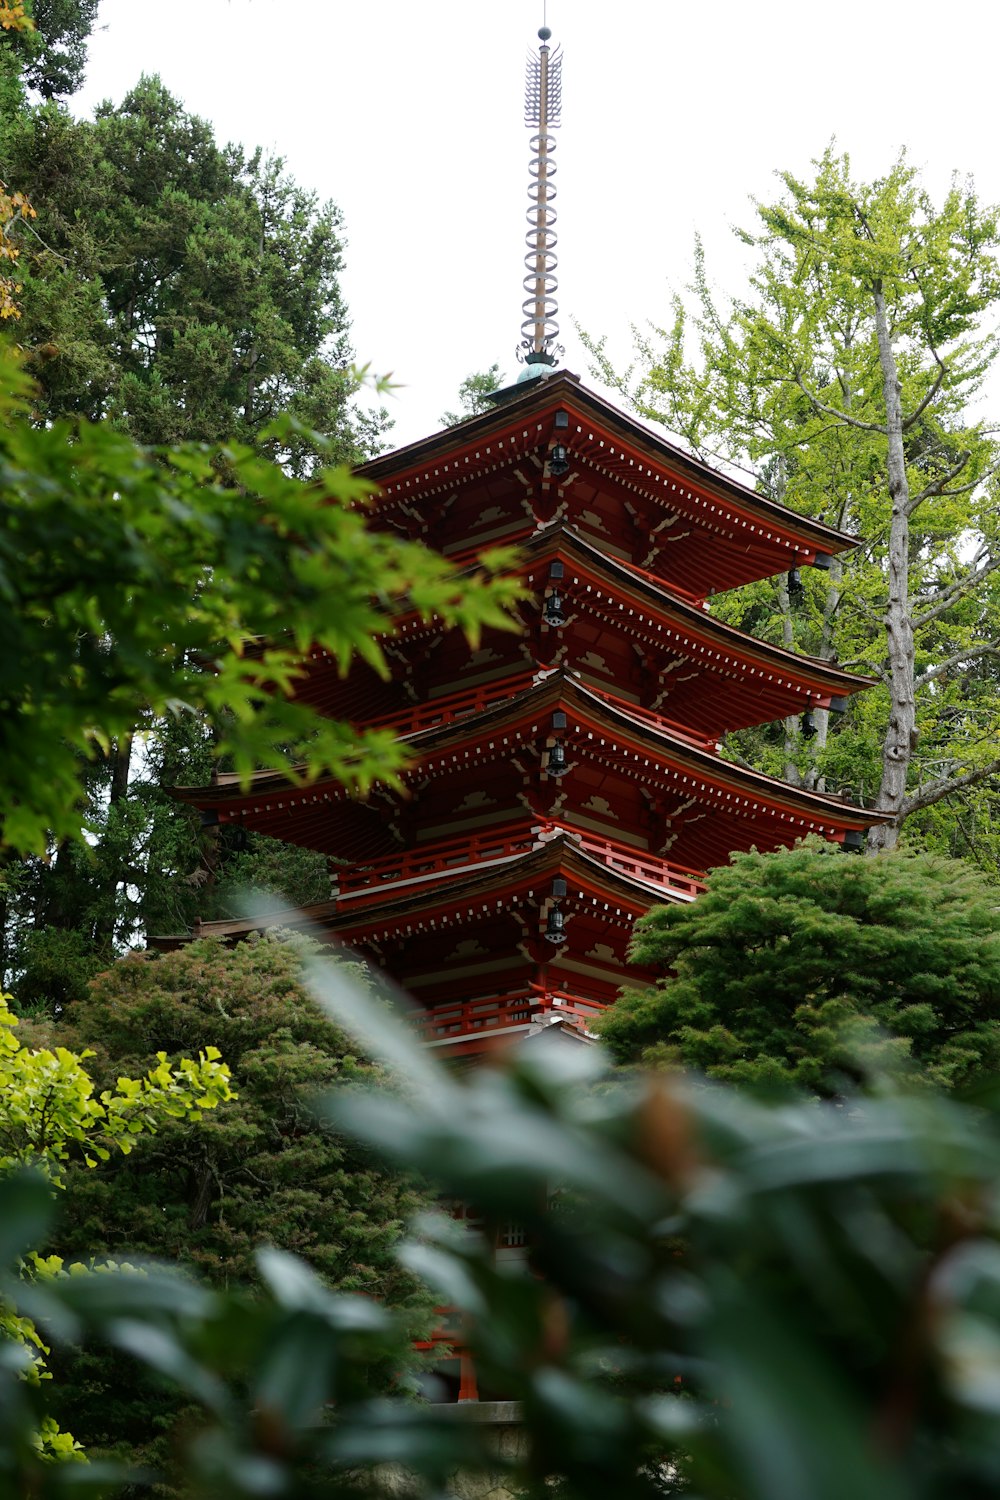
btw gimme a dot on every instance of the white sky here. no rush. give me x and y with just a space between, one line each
409 116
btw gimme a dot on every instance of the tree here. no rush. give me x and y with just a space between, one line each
97 641
51 1114
183 291
188 291
262 1171
473 395
808 969
51 1117
51 53
846 381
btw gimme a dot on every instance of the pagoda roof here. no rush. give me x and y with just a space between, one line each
736 535
758 673
763 681
643 736
639 743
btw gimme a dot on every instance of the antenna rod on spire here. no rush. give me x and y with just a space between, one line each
542 109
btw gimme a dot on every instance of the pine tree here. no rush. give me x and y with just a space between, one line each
186 290
809 969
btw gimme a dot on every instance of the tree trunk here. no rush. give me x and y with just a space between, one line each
791 724
201 1197
6 944
901 733
121 763
121 766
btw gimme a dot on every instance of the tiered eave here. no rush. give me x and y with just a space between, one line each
565 779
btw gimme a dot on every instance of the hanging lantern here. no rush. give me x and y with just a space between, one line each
557 764
558 461
552 612
555 927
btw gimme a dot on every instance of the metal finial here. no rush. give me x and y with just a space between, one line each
542 110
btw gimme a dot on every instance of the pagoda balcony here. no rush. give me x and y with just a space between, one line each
420 716
368 883
660 721
452 1022
431 715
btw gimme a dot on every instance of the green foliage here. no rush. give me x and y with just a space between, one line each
669 1233
52 54
188 291
57 964
280 873
152 870
473 395
100 541
261 1171
189 871
813 970
51 1116
786 382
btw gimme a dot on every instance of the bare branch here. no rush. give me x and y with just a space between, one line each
833 411
926 796
992 648
937 486
862 664
955 591
925 403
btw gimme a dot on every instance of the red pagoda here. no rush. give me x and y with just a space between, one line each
567 778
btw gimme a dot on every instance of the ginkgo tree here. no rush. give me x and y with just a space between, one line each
51 1114
846 380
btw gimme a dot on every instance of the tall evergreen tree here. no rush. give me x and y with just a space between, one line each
185 290
263 1171
180 290
812 970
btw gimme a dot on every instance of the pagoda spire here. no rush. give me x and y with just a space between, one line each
542 111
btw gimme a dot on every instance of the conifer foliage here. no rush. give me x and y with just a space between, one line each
262 1170
810 969
186 290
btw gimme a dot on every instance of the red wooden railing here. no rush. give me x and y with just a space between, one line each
468 1017
437 860
660 721
645 866
453 706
